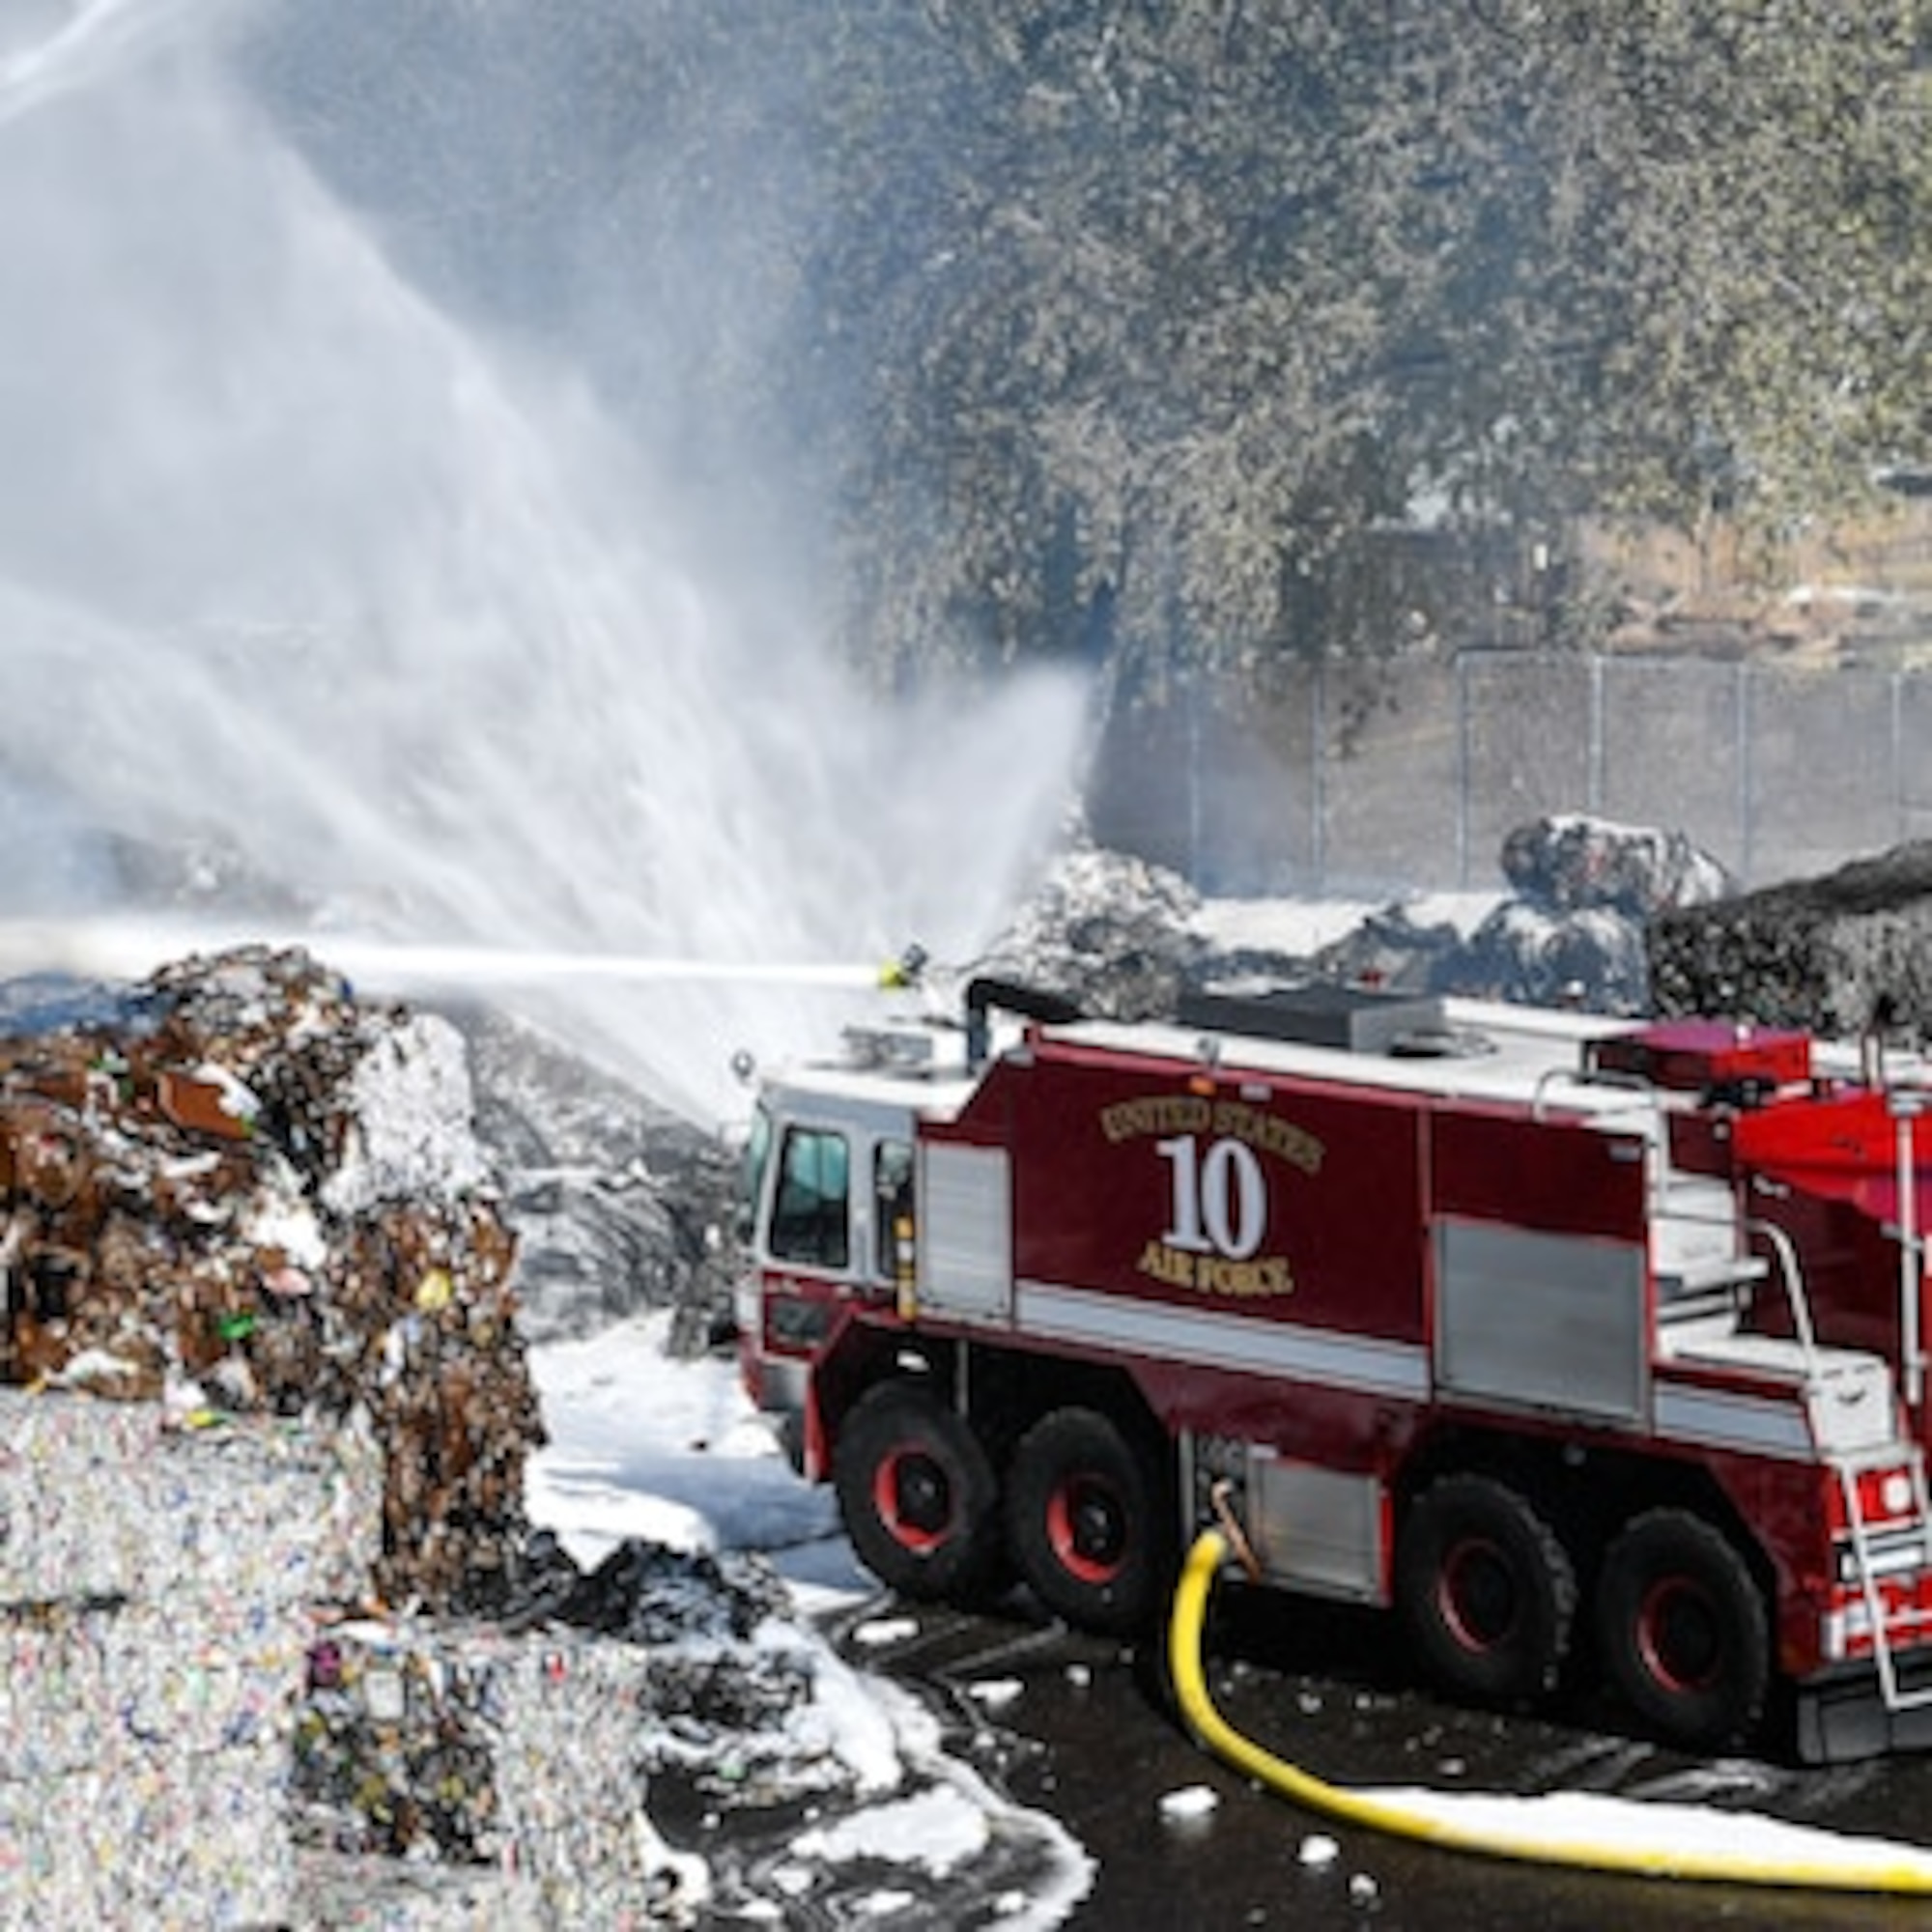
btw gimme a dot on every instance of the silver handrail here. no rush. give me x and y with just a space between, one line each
1846 1469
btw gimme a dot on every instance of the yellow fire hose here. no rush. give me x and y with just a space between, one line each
1584 1830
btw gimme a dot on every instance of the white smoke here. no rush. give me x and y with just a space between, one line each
290 556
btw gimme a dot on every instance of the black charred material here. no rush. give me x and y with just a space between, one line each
641 1591
1842 955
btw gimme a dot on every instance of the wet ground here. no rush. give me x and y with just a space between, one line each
1085 1729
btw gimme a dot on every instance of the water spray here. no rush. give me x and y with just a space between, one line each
331 578
128 948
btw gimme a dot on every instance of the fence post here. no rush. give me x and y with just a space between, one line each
1194 779
1463 777
1741 726
1898 758
1318 781
1595 783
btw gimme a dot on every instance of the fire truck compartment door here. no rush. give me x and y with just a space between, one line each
1317 1529
1525 1319
965 1232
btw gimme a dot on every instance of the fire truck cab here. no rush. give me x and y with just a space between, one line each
1575 1342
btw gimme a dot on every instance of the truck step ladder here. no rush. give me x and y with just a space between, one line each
1827 1375
1848 1468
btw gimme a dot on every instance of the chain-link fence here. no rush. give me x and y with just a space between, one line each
1330 781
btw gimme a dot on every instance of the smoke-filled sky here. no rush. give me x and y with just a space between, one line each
322 538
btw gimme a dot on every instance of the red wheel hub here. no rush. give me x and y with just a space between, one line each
1476 1595
1087 1528
913 1495
1679 1635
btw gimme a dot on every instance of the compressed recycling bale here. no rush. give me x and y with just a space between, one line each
266 1512
342 1892
71 1524
58 1684
208 1686
91 1686
473 1744
167 1845
102 1500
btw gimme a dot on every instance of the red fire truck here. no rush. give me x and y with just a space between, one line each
1577 1343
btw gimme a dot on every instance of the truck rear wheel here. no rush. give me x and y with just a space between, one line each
918 1495
1091 1522
1683 1630
1486 1590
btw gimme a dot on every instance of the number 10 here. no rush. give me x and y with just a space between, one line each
1220 1199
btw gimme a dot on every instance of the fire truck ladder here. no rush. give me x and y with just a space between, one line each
1830 1389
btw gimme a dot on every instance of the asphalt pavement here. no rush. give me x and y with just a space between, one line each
1086 1729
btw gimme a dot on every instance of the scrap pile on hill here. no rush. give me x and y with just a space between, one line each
1112 932
1121 936
617 1204
1583 891
1569 932
250 1193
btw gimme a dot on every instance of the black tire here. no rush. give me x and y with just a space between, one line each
1486 1589
918 1495
1090 1521
1684 1632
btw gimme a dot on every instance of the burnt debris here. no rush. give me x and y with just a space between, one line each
1841 954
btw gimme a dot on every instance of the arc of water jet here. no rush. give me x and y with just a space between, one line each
132 949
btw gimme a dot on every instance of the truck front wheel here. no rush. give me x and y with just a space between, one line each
1486 1589
1683 1631
917 1494
1091 1522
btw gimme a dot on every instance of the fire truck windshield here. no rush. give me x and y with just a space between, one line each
812 1213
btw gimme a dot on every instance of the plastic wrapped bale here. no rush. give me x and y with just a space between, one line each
475 1744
